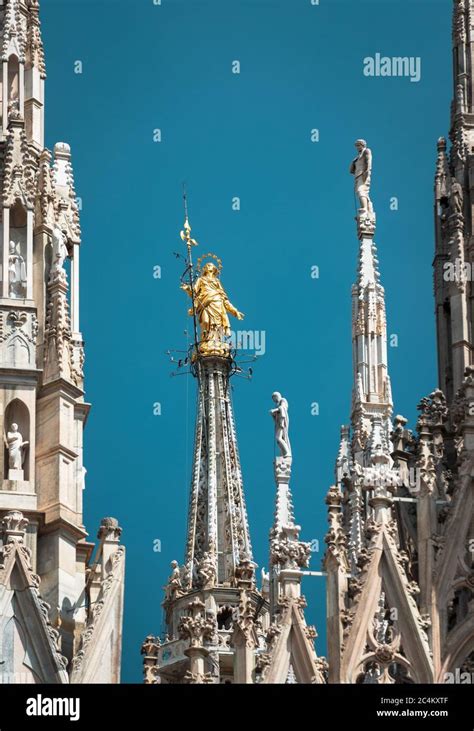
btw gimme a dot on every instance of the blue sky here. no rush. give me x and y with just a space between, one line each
169 67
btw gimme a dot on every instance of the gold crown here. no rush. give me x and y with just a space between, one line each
202 261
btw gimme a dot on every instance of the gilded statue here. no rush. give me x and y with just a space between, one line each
211 305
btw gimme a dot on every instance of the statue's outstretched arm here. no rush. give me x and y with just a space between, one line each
233 310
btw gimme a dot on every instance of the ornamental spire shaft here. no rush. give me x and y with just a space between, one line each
454 250
371 389
217 580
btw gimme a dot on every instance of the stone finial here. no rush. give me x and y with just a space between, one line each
287 551
399 435
150 646
109 530
245 621
14 526
196 626
433 409
62 150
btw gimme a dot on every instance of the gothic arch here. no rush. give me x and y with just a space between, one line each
18 215
18 351
459 646
13 84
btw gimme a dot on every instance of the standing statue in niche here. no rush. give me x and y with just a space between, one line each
13 109
211 305
16 448
282 424
456 196
16 272
361 168
60 253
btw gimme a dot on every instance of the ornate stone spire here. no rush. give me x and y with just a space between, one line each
35 50
208 591
218 542
288 555
23 57
290 656
454 252
371 390
14 35
364 561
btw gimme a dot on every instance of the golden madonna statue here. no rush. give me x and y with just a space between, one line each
211 305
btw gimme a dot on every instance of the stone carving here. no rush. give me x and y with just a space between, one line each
16 448
196 627
150 646
273 633
109 529
174 587
34 43
290 554
456 197
265 583
335 538
60 254
206 571
46 194
282 424
433 408
245 572
14 525
245 620
361 169
282 468
459 21
13 108
198 678
20 166
18 332
262 663
322 667
459 149
16 272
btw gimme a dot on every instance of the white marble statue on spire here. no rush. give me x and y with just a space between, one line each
361 169
282 424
